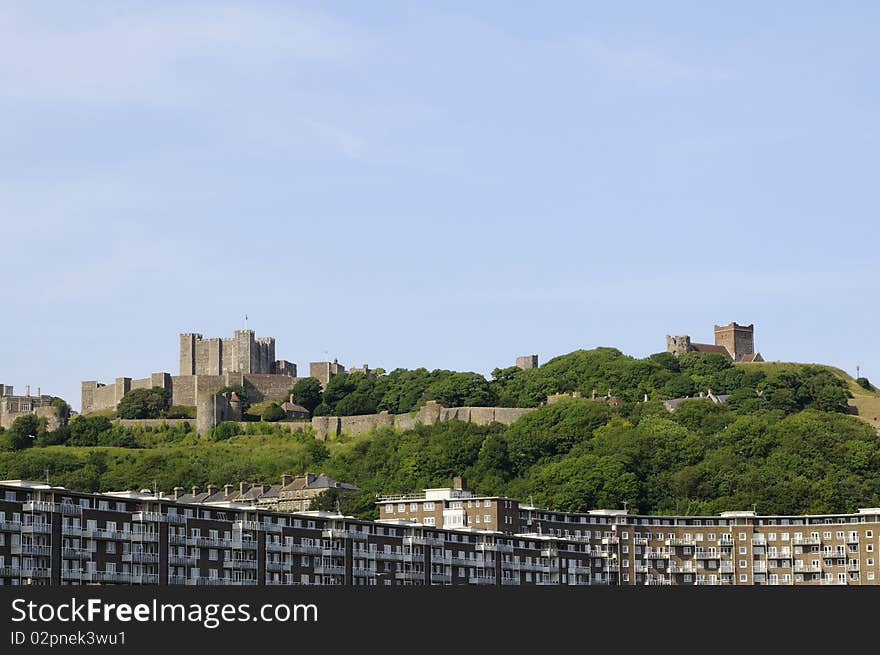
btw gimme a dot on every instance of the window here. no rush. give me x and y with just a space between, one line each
870 575
111 547
869 534
826 535
743 550
743 577
487 518
212 554
869 548
401 507
477 518
389 508
430 520
869 561
624 535
428 507
784 536
487 503
413 507
711 536
771 537
742 536
839 534
742 564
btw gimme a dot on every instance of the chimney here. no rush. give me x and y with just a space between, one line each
243 487
195 490
264 488
458 483
286 479
38 392
178 492
227 490
212 489
27 390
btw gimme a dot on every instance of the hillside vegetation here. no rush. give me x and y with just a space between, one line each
783 443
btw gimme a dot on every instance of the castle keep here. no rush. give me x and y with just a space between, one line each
206 366
732 340
242 353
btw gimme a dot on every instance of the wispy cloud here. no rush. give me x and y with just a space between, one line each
158 54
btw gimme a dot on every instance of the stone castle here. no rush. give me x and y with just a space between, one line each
732 340
209 365
13 406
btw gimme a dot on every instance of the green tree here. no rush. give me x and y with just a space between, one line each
273 413
462 390
307 392
144 403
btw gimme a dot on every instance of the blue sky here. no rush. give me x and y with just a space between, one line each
446 185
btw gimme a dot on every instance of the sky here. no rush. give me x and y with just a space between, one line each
447 185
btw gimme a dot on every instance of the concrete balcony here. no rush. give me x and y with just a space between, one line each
177 579
148 517
681 542
244 544
328 569
40 506
482 580
806 541
656 554
145 578
441 578
177 540
209 542
74 553
242 564
36 528
142 536
33 550
279 567
273 547
363 572
141 558
306 550
415 576
707 555
71 575
9 571
106 577
10 526
181 560
807 568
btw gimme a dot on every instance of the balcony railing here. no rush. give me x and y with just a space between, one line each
363 572
148 517
36 528
74 553
177 539
656 554
243 564
482 580
144 536
177 579
181 560
40 506
707 555
141 558
34 550
244 544
329 569
306 550
680 542
10 526
145 578
274 547
806 541
441 578
279 567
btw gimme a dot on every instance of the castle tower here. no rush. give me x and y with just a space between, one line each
188 353
678 345
739 340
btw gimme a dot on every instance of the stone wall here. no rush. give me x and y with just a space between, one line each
429 414
152 422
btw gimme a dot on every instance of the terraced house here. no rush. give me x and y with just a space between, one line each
54 536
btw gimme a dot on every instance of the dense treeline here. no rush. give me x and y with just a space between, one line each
661 376
781 443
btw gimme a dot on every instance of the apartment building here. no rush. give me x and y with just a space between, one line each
54 536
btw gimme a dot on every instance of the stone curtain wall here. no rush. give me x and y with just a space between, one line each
429 414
